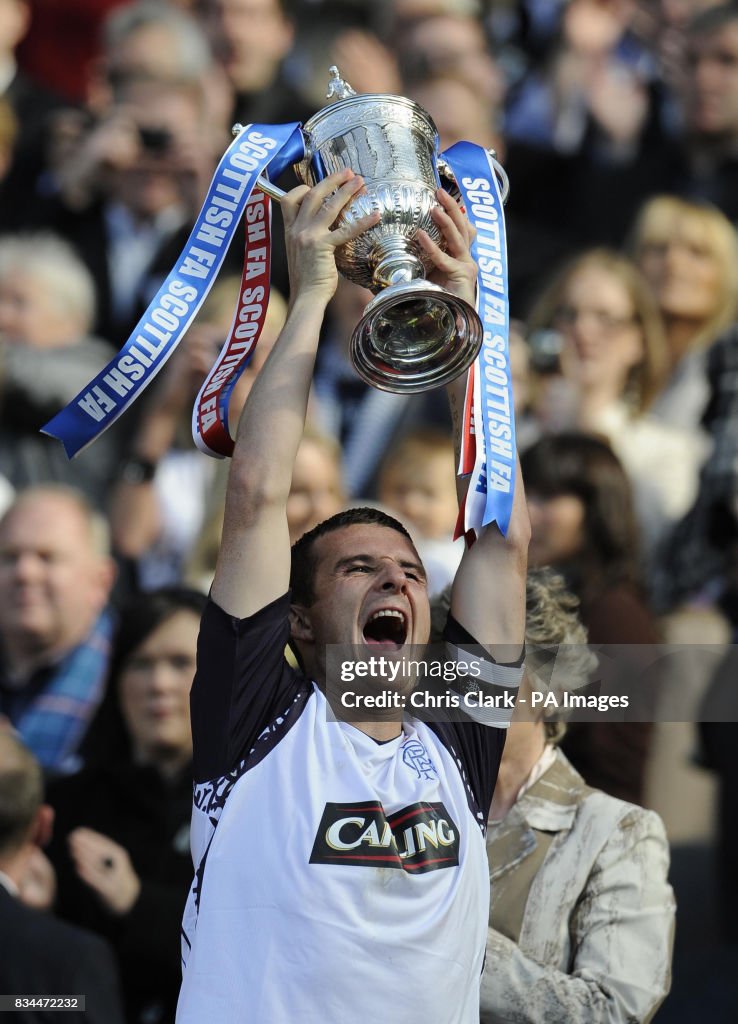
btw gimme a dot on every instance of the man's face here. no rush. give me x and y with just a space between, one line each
370 591
422 489
250 37
53 584
713 100
168 127
30 313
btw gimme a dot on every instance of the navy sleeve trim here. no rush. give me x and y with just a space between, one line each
241 684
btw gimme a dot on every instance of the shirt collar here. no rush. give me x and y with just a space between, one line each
7 883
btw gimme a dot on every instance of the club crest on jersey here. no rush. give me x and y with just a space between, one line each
416 756
419 838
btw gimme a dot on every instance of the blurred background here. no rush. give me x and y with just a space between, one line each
617 123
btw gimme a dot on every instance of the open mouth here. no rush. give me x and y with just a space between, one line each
386 628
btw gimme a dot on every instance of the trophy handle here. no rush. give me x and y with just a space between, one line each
273 191
262 183
446 175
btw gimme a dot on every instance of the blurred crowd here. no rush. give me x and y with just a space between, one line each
617 123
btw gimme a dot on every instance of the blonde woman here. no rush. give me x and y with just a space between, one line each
688 253
581 916
613 359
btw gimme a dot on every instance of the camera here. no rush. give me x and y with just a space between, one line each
545 347
155 141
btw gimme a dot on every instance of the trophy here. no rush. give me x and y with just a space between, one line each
413 335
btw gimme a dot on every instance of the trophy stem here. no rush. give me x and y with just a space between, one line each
394 264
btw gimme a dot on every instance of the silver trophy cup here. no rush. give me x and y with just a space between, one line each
413 335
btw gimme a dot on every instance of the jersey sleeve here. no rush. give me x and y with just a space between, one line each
476 736
243 682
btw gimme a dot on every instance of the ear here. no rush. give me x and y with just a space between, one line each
43 826
105 578
301 628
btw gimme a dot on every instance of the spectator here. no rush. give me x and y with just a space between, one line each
458 110
251 39
364 420
711 109
587 138
612 362
354 37
42 956
46 311
462 112
316 492
129 191
583 525
121 845
152 39
582 916
55 578
592 83
416 482
166 488
699 563
454 44
688 253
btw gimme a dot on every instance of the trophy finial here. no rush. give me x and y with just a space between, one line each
337 88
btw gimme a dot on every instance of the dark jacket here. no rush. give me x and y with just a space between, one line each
41 956
135 807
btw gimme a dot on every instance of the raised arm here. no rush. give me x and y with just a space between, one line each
254 562
488 595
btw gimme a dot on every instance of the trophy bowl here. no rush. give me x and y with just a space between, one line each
414 335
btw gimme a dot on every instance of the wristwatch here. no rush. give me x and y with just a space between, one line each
136 470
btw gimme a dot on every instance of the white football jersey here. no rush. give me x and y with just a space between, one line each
337 878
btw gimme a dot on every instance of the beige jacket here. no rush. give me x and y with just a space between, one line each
582 916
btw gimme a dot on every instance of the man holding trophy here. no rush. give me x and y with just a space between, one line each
340 866
341 870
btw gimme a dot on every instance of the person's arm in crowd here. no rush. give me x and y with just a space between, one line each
148 914
621 934
135 510
254 561
488 595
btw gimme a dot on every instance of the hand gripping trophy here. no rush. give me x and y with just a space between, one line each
413 335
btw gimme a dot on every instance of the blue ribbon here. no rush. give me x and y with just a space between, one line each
175 305
478 184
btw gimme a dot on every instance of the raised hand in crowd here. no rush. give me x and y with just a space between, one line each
106 867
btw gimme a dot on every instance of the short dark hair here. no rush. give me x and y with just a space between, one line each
21 791
304 562
713 19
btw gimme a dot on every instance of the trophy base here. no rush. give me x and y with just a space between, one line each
414 337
